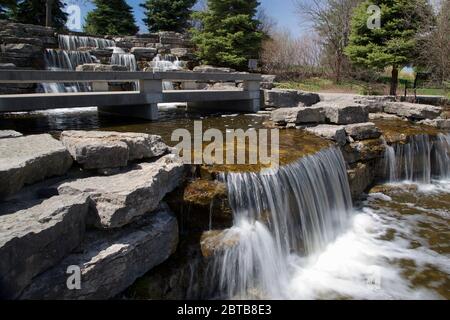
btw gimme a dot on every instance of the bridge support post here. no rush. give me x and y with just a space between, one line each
152 89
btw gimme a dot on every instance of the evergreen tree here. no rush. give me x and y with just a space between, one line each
7 8
167 15
394 43
228 34
33 12
112 17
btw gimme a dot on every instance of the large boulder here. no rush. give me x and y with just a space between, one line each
363 131
29 159
107 149
364 150
373 104
344 112
330 132
282 98
298 115
144 53
110 262
9 134
35 239
116 200
412 110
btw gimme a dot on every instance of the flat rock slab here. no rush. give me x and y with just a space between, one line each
116 200
9 134
98 67
103 149
29 159
35 239
363 131
344 112
298 115
111 261
413 110
443 124
283 98
330 132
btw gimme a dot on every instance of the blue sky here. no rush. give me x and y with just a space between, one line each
283 11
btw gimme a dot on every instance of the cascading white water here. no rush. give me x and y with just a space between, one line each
73 43
166 63
298 209
120 57
419 160
442 156
65 60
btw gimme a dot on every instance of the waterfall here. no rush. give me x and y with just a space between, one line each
298 209
120 57
166 63
70 42
66 60
419 160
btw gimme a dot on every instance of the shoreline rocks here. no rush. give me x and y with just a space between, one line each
116 200
105 150
29 159
413 111
110 262
33 240
298 115
283 98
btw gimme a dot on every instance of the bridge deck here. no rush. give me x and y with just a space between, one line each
149 95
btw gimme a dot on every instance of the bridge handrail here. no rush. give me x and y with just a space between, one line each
39 76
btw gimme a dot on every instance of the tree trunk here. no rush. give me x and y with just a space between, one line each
394 81
48 13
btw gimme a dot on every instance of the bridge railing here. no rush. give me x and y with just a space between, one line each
150 90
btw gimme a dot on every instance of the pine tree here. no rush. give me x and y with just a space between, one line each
394 43
112 17
228 34
7 9
33 12
167 15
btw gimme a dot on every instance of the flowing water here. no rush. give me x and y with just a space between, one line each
296 234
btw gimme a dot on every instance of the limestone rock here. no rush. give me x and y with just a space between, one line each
9 134
29 159
142 53
116 200
7 66
363 131
282 98
361 177
111 261
413 111
330 132
363 150
344 112
373 104
97 67
443 124
382 115
206 68
105 149
298 115
35 239
215 242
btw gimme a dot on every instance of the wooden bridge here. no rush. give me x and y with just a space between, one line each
141 103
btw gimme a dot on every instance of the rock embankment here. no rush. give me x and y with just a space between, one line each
110 229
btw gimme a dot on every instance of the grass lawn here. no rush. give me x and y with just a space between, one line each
357 87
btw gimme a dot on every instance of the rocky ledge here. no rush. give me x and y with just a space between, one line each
108 229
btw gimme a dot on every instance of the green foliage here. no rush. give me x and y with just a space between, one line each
394 43
112 17
7 9
228 34
33 12
167 15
